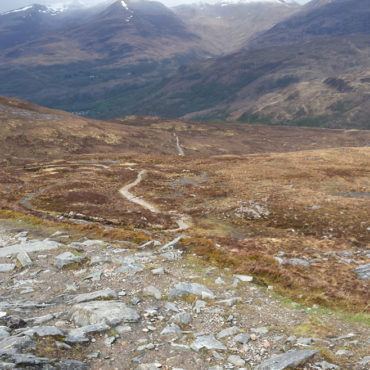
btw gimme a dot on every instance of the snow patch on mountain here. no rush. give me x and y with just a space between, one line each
281 2
124 5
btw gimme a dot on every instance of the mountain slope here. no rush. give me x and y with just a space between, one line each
227 26
318 19
320 82
123 48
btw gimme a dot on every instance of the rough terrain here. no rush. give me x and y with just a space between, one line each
120 305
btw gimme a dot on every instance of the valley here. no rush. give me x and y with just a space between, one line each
185 188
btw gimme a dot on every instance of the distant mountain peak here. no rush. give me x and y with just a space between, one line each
280 2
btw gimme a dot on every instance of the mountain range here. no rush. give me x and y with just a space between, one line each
273 62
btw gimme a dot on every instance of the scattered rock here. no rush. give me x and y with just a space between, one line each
171 329
208 342
236 360
7 267
228 332
44 331
184 318
106 294
242 338
363 272
24 259
98 312
244 278
152 292
66 259
181 289
158 271
286 360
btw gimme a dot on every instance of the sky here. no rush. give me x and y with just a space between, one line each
6 5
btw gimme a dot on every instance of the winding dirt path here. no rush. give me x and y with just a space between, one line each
182 221
132 198
179 149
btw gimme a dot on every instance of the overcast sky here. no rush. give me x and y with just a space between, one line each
6 5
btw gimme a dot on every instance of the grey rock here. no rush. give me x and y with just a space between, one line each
236 360
44 331
42 319
15 344
158 271
171 329
29 360
326 365
79 335
181 289
244 278
152 292
109 341
286 360
228 332
296 261
98 312
100 260
123 329
62 345
24 259
261 330
304 341
171 307
343 352
4 332
7 267
94 276
153 366
242 338
199 305
230 301
72 365
363 272
208 342
174 255
184 318
29 246
129 267
365 362
66 259
106 294
7 366
219 281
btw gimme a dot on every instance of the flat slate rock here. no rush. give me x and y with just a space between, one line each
44 331
363 272
98 312
14 344
208 342
29 246
105 294
286 360
181 289
66 259
7 267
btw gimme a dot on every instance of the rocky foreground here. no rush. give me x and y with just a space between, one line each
68 303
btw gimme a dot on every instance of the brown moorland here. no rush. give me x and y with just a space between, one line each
288 205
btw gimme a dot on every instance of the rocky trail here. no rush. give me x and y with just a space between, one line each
76 303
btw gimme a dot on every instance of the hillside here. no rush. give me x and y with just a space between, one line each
225 27
122 48
29 132
311 69
222 244
295 85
